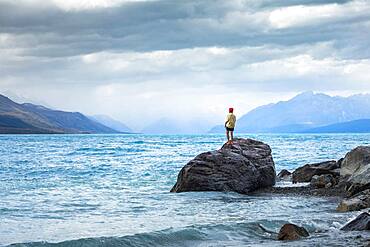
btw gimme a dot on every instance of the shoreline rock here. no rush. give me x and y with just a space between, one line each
243 167
306 172
323 181
356 202
355 160
292 232
348 178
360 223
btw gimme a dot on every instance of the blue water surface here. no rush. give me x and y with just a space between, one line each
113 190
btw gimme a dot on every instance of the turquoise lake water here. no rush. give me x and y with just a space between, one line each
113 190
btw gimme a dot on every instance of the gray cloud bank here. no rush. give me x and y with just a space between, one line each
43 29
171 56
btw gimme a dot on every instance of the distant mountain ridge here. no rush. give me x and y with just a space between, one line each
303 112
28 118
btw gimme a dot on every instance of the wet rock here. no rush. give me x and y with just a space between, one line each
359 181
355 170
284 175
244 166
355 160
361 223
356 202
322 181
306 172
292 232
347 205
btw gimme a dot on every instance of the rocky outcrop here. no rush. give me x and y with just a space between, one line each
355 176
361 223
306 172
323 181
355 171
356 202
244 166
355 160
359 181
349 176
292 232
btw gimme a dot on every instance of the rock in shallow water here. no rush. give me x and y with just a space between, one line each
356 202
306 172
322 181
354 160
292 232
361 223
243 167
355 170
359 181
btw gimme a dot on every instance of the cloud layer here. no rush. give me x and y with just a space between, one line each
144 60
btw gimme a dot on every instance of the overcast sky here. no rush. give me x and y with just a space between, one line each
139 61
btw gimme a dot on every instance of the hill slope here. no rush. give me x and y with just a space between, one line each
28 118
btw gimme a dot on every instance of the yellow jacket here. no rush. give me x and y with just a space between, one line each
230 120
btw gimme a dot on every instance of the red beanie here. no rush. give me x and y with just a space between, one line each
231 110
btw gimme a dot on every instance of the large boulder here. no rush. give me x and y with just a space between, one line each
356 202
355 169
361 223
359 181
306 172
323 181
355 160
292 232
244 166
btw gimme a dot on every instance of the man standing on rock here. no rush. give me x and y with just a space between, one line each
230 125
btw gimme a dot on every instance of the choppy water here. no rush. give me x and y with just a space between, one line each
113 190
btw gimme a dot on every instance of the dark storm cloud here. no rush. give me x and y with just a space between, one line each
46 30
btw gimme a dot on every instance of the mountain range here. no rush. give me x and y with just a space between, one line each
304 113
28 118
